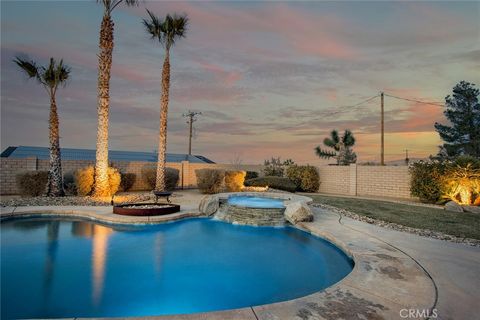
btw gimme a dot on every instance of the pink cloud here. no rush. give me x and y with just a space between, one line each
311 35
228 78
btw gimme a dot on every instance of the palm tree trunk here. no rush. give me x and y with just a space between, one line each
55 179
104 66
162 139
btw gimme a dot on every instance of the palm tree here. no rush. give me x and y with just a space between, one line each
341 148
50 77
166 32
104 66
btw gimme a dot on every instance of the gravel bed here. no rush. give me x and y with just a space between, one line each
398 227
75 200
146 206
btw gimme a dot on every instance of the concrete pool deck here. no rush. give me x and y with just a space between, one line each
388 276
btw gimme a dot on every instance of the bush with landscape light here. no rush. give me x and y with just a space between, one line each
85 178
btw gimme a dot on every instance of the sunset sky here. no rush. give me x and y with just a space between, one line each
271 78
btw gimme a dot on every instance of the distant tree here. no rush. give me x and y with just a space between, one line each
167 32
462 137
50 77
276 167
342 148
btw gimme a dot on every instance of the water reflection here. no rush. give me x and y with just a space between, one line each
157 253
53 228
99 235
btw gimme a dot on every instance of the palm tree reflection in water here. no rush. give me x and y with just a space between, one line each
99 235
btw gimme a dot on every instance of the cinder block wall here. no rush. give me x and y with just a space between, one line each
10 168
344 180
334 179
383 181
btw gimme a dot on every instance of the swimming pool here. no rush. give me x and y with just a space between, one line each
70 268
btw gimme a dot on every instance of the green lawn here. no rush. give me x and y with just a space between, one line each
452 223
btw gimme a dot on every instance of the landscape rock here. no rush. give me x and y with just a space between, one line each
296 212
209 205
472 209
453 206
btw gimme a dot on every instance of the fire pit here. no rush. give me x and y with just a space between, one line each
145 209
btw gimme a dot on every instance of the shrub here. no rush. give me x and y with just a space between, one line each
306 178
210 180
426 180
171 178
461 180
274 182
32 183
149 176
234 180
127 180
275 167
251 175
69 184
85 178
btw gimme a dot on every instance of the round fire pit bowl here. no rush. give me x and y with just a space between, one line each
146 209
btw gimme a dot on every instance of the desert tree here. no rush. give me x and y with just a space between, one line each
51 77
341 148
462 135
166 31
106 44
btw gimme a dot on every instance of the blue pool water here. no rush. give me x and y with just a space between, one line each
255 202
52 268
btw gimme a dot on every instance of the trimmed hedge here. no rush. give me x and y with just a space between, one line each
128 180
234 180
210 180
149 176
251 175
32 183
306 178
273 182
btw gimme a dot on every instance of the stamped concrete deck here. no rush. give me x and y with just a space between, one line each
386 277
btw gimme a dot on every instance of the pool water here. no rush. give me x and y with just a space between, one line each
52 268
255 202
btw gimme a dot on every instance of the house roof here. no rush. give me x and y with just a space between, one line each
88 154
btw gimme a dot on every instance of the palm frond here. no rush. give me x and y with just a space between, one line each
51 76
153 26
324 154
166 31
29 67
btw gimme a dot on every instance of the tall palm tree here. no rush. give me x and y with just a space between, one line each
166 31
104 66
341 147
50 77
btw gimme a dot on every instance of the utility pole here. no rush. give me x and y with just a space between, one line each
191 118
382 152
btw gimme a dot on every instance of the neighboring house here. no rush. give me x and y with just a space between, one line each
42 153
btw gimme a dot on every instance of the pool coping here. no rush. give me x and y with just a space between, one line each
404 284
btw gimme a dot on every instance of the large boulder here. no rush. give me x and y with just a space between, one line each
296 212
453 206
209 205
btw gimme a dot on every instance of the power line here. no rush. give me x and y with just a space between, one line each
438 104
